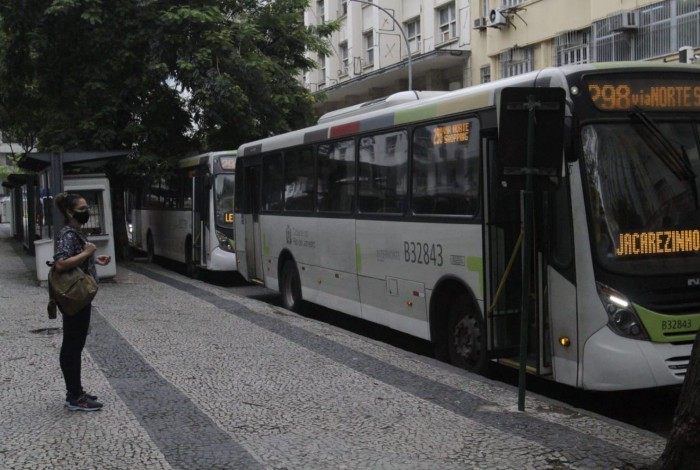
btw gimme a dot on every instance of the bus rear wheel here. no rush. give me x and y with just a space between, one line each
290 286
150 248
466 338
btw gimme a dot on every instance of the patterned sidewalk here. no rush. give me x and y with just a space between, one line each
195 377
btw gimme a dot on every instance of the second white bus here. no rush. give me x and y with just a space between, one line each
189 217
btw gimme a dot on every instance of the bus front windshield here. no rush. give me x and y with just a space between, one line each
223 199
642 182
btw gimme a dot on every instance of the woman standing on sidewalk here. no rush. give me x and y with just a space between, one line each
73 250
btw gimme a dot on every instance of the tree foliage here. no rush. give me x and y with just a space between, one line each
165 77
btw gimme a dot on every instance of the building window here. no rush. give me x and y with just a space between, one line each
512 3
320 11
343 7
572 48
344 59
368 40
516 61
413 34
321 70
447 23
485 10
485 74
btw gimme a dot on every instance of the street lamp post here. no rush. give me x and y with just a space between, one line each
403 33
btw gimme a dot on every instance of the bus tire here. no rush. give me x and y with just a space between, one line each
150 248
466 336
191 269
290 286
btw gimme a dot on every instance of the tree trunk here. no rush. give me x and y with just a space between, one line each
683 446
121 236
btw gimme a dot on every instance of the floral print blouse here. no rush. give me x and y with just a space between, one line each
70 242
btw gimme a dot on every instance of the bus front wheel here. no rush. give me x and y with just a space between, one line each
290 286
466 337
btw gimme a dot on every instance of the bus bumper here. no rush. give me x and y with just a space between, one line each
221 260
611 362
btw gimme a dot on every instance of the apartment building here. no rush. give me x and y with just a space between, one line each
510 37
457 43
370 54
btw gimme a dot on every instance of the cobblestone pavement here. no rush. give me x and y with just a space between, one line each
194 376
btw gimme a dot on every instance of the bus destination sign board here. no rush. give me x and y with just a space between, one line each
660 242
649 94
455 132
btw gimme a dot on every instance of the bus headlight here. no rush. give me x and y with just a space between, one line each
622 317
225 243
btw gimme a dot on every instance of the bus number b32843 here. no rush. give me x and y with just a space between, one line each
422 253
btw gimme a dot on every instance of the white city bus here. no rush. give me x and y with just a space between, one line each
396 212
189 216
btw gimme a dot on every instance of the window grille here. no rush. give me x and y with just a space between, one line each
517 61
413 34
653 38
572 47
688 29
485 74
447 23
512 3
610 45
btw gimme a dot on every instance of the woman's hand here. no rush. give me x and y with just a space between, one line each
103 260
89 248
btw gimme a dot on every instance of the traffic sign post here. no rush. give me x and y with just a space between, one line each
543 159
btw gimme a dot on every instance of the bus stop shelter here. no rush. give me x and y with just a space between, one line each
80 172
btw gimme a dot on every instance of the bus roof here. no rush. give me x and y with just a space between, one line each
205 158
442 104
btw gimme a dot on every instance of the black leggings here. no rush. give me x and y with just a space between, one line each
75 330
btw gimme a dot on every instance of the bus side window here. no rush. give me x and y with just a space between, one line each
299 179
336 177
238 199
446 168
273 182
561 247
383 173
186 182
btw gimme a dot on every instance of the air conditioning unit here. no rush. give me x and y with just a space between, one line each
624 21
445 36
497 19
480 23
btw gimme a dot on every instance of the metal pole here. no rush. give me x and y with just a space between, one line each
526 198
56 187
405 38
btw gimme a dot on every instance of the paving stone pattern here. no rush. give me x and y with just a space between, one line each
196 377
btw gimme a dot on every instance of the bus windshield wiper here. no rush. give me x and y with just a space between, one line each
676 159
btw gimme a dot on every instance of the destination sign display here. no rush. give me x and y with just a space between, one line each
624 94
228 217
659 242
451 133
228 163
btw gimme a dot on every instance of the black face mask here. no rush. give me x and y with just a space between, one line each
81 216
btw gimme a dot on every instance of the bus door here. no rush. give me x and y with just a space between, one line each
253 239
200 217
504 275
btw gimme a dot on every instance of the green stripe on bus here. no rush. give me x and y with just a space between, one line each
358 258
417 114
475 264
664 328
